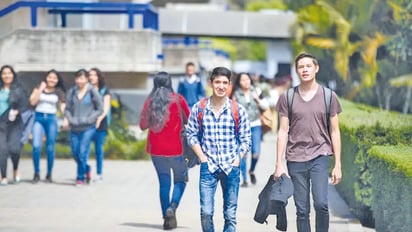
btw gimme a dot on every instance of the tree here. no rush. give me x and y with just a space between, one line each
258 5
328 27
400 46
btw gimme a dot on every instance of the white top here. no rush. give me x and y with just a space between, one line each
47 103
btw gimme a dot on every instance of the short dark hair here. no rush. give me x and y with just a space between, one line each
190 64
306 55
80 72
221 71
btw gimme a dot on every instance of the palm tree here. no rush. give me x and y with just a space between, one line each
400 46
322 25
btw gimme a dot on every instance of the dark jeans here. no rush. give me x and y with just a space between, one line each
305 174
164 165
207 189
10 145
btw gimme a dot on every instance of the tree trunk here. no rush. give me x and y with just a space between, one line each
407 100
379 96
388 95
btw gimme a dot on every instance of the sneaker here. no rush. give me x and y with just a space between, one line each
252 178
48 179
244 184
3 182
36 178
79 183
98 179
88 174
16 179
170 220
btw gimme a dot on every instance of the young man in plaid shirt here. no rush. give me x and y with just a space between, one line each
220 141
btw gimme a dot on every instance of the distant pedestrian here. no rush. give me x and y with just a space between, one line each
83 107
162 114
251 98
47 99
13 102
191 87
96 78
220 144
308 143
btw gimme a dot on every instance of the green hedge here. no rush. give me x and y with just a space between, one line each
391 168
363 127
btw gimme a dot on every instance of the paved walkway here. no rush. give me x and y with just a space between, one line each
127 200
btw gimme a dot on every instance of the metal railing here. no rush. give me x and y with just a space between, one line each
150 15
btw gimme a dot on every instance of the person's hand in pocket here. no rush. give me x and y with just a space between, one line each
236 162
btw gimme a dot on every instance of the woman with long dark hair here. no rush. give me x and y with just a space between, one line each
96 79
47 99
163 113
13 102
251 98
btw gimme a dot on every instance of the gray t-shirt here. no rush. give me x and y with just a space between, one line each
308 134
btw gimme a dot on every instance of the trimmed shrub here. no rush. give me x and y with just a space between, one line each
363 127
391 169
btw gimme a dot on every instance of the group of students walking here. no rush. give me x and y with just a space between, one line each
221 139
85 109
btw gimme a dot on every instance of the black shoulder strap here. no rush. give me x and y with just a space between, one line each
290 96
327 95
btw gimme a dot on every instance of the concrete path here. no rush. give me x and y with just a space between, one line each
127 200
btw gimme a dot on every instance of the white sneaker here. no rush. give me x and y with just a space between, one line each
98 179
4 181
17 179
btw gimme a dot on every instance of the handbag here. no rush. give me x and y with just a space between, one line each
189 155
266 118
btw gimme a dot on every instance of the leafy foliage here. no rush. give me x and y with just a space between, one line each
363 127
265 4
391 171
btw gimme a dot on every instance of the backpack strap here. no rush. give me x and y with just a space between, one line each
202 106
290 96
235 113
327 95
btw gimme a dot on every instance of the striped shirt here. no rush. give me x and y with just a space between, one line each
218 140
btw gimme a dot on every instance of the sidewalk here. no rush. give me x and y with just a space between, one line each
127 200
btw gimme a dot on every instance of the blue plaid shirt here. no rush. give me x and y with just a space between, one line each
218 140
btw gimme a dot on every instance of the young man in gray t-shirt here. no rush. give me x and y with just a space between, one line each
308 144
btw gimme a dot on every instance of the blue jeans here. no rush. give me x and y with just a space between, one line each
255 150
304 174
163 166
207 189
98 139
44 124
80 146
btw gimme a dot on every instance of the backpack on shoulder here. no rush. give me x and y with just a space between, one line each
190 157
327 96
